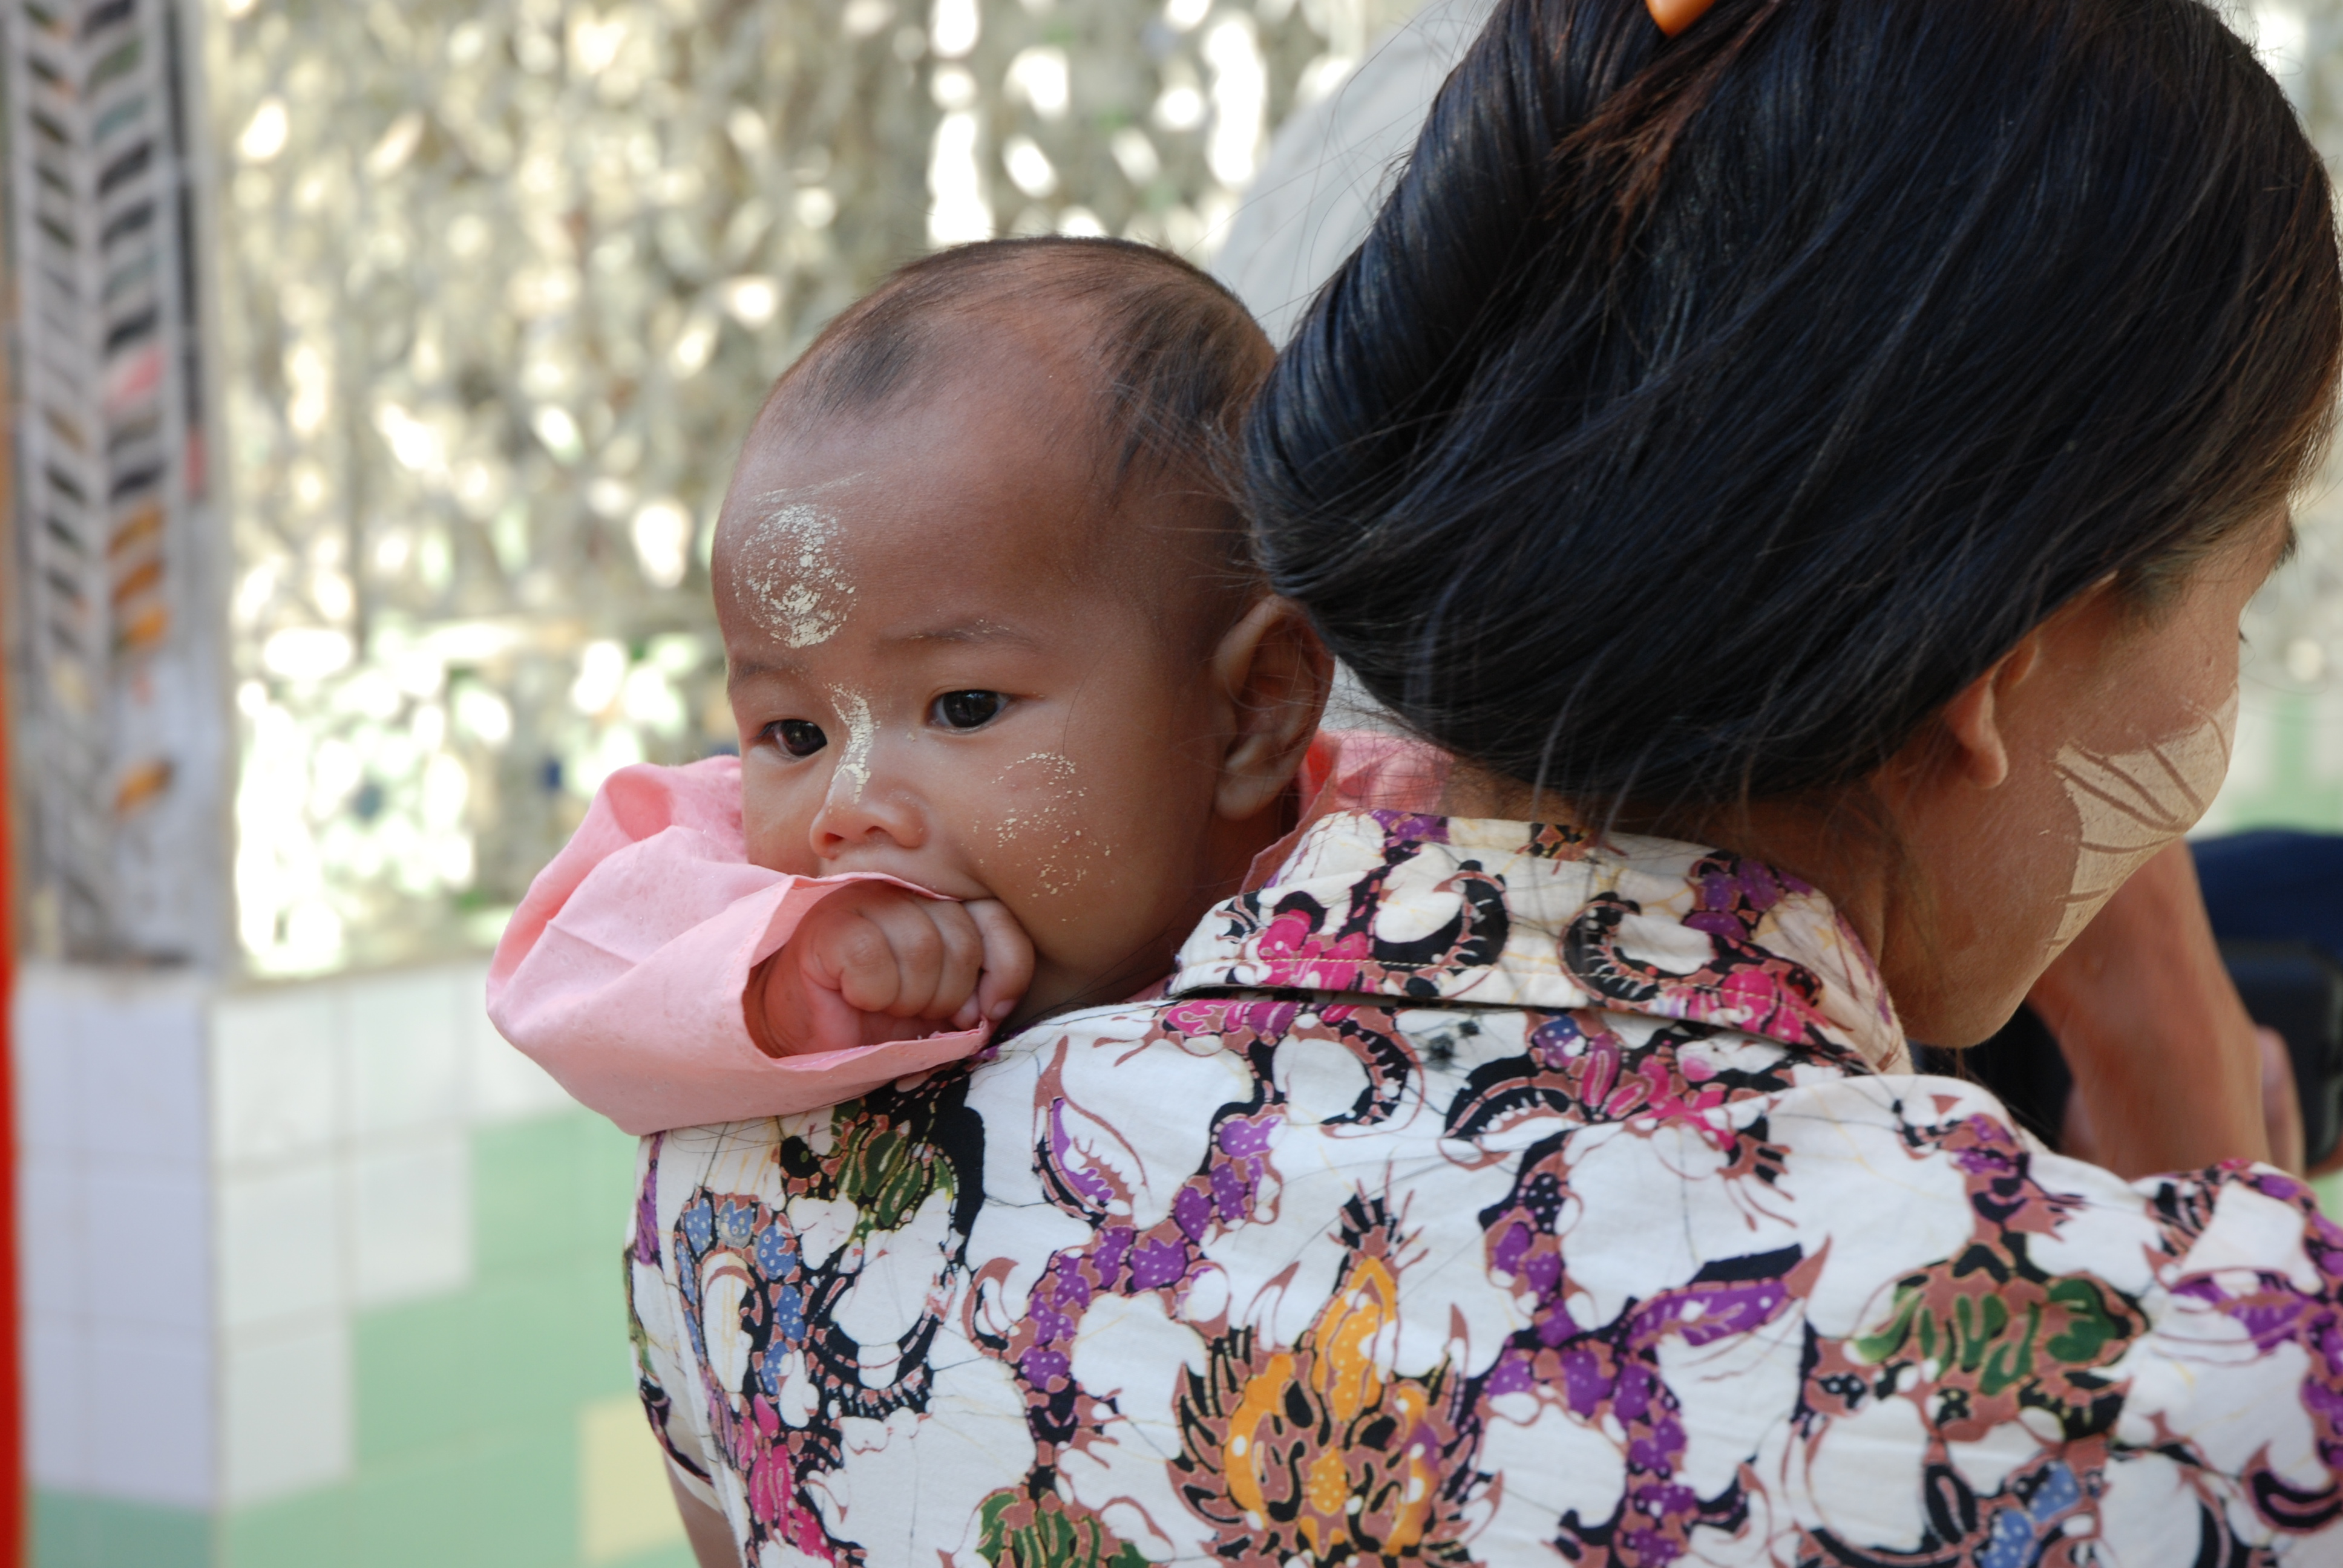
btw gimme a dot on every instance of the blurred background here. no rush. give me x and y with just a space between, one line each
377 370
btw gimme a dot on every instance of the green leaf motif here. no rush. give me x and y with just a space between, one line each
1995 1336
1017 1532
884 1173
2092 1326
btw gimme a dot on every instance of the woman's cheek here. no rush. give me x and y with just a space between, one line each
2129 804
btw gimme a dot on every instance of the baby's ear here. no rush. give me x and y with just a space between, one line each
1274 674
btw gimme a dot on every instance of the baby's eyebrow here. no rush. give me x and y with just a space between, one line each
744 670
968 631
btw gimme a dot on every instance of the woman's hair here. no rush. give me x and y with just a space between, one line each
1701 415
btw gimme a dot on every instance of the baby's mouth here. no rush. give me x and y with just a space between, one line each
918 872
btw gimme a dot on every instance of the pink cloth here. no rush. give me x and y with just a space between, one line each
624 971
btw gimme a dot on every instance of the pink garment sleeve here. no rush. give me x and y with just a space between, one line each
623 971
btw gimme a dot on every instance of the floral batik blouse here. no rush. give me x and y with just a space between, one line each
1483 1194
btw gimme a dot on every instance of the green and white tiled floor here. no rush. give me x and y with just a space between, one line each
496 1424
397 1338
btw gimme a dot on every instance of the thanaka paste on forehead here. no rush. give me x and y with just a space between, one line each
2131 804
789 569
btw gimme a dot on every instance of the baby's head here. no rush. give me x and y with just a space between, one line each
992 623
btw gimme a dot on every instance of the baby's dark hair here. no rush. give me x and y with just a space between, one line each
1178 356
1702 414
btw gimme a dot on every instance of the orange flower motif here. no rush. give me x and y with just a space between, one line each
1321 1452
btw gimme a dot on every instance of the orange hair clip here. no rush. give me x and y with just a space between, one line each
1674 15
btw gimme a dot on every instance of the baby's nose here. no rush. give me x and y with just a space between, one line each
862 807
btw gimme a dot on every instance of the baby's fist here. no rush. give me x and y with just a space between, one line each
874 962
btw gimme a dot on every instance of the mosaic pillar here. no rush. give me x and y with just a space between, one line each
125 719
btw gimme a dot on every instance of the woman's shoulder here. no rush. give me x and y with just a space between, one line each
1327 1246
1288 1252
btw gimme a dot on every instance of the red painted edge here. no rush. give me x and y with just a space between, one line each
15 1547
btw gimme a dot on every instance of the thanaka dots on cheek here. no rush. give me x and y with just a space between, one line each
2131 804
793 580
1045 828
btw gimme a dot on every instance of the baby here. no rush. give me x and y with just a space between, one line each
1014 709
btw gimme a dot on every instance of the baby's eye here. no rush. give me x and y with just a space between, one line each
797 737
966 709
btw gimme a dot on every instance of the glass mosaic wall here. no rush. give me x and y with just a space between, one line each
499 286
2289 763
484 295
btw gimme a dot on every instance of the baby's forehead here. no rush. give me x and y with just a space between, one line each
1007 415
941 460
886 532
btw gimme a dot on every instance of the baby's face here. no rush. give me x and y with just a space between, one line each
938 673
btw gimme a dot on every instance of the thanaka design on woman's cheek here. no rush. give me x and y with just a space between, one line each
2131 804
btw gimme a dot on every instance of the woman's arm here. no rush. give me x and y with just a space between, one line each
710 1537
2169 1070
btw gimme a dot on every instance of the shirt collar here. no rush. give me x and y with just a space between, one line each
1547 916
1353 770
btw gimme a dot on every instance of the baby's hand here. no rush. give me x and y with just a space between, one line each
877 963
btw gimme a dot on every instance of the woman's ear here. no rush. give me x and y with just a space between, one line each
1274 674
1974 719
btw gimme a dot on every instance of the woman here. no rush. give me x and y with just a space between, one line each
1807 470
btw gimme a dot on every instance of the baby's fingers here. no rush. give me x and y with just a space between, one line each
896 973
922 963
858 958
1007 960
962 960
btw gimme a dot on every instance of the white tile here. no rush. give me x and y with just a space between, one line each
46 1111
406 1044
410 1218
507 1085
52 1241
148 1258
277 1058
280 1242
139 1066
286 1410
500 1083
58 1406
152 1389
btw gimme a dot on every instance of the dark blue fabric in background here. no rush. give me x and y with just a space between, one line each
2275 885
